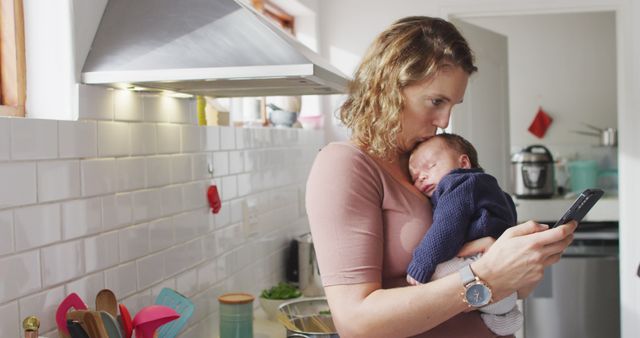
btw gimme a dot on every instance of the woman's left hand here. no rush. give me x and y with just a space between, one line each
477 246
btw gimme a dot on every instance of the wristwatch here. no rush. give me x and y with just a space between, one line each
476 292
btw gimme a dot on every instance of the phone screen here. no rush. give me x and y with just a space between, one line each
581 206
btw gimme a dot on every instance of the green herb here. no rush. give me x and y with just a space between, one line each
281 291
325 312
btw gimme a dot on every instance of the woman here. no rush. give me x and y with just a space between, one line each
366 217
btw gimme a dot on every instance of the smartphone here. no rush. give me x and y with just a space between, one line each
581 206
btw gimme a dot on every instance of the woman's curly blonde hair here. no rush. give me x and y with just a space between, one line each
410 50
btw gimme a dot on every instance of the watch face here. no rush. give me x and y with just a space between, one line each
478 295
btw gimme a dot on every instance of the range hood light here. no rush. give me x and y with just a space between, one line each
176 94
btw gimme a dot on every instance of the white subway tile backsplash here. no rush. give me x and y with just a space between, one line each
154 110
78 139
227 138
43 305
25 269
62 262
146 204
113 139
116 211
158 171
122 280
161 234
143 139
190 139
9 324
187 283
127 106
212 138
180 168
81 217
101 251
87 287
37 226
134 242
220 163
172 201
5 139
236 162
18 182
168 138
144 239
58 180
98 176
195 194
6 232
200 166
96 103
229 188
33 139
131 173
150 270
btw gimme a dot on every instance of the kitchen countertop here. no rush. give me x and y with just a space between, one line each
265 328
551 209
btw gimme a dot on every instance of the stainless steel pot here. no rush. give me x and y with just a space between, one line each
532 172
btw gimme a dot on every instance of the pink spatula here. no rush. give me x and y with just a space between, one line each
149 318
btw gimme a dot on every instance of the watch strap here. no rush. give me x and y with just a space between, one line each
467 275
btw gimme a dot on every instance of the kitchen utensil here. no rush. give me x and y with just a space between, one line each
608 137
125 319
236 315
106 301
111 325
149 318
75 329
94 324
532 172
31 325
181 304
72 301
309 317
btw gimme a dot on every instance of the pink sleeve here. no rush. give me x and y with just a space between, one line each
343 199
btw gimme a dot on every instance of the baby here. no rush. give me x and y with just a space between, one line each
468 204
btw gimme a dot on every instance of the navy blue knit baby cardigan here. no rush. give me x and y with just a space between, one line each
468 204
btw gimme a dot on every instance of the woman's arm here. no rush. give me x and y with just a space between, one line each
515 261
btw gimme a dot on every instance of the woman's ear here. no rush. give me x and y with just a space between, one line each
464 162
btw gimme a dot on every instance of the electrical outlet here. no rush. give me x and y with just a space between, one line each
250 215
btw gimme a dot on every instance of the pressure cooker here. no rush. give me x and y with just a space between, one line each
533 172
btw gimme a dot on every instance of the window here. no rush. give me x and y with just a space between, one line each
275 13
12 59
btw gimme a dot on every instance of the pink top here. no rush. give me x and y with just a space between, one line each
365 225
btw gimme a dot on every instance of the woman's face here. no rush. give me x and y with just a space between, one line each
428 105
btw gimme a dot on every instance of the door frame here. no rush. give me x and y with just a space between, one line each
629 295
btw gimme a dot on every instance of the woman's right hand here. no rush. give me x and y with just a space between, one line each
516 261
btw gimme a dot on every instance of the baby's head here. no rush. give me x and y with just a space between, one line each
434 158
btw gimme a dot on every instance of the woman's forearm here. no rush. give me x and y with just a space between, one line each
365 310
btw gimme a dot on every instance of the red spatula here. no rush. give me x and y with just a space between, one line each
125 317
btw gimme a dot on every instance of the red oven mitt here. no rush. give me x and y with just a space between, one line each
214 199
540 123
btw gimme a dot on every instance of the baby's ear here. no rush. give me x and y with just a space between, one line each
464 161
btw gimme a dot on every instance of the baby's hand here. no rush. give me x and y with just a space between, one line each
412 281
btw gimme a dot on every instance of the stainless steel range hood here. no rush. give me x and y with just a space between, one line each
216 48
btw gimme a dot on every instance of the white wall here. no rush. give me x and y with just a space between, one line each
565 63
345 36
118 200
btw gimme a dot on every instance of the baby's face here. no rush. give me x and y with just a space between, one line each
431 161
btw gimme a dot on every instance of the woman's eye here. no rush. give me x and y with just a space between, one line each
437 102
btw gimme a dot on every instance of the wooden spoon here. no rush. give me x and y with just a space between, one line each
106 301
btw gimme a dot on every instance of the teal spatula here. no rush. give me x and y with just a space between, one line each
181 304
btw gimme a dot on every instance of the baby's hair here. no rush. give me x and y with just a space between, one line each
462 146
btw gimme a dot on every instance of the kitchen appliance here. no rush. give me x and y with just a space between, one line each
532 172
580 295
309 281
219 48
